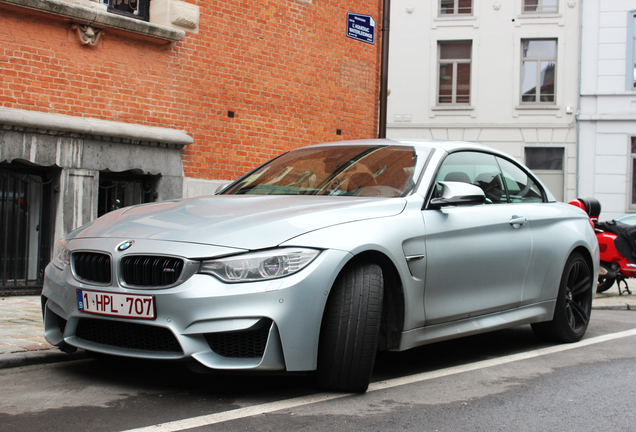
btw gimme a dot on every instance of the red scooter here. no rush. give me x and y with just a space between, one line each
615 243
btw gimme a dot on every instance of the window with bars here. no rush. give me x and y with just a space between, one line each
455 7
454 60
139 9
117 190
25 227
538 70
540 6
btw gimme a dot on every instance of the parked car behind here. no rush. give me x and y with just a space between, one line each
319 258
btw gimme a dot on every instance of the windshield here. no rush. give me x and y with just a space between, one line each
385 171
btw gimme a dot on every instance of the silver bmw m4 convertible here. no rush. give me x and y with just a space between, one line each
321 257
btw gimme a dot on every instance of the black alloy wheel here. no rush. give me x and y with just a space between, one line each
578 296
573 306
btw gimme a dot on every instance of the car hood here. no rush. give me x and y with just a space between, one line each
237 221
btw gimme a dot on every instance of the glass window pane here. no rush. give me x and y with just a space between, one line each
530 5
529 81
520 186
547 81
634 53
550 6
446 7
455 50
633 182
633 144
446 83
539 49
463 83
465 7
544 158
479 169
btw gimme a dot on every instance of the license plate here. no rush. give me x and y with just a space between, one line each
113 304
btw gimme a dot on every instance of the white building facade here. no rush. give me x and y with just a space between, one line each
500 72
607 118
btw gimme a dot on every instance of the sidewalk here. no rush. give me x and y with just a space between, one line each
22 332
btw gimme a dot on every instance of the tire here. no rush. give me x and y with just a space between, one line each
604 282
350 330
573 306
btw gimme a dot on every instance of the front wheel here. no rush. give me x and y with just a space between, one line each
350 329
573 306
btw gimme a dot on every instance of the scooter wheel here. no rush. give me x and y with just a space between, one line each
604 283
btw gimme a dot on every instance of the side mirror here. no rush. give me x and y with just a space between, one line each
457 193
221 188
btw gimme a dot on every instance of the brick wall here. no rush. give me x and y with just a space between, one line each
284 68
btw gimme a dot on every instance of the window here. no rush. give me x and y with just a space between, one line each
547 164
479 169
631 51
117 190
501 180
454 73
540 6
455 7
521 188
632 203
139 9
538 70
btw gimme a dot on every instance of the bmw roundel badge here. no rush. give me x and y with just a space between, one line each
125 245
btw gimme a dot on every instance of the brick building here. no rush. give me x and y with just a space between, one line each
104 104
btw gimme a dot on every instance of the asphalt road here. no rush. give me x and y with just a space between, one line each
502 381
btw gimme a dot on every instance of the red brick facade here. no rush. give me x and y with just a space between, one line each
284 68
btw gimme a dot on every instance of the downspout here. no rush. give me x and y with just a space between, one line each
384 73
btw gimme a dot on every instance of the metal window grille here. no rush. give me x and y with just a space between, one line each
139 9
117 190
25 197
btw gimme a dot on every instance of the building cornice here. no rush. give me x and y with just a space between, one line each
607 117
94 17
59 124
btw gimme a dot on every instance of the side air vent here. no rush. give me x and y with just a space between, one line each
249 343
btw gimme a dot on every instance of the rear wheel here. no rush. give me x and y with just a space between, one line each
350 329
573 306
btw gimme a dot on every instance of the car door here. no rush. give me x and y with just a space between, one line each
477 255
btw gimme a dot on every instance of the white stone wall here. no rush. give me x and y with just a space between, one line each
607 119
495 116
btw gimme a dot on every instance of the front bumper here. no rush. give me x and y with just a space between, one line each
269 325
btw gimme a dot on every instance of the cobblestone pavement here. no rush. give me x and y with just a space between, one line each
21 326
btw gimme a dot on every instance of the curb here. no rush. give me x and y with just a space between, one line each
620 306
29 358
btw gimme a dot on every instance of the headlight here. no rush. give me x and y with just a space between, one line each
61 255
258 266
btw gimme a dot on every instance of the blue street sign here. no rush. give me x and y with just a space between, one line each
361 27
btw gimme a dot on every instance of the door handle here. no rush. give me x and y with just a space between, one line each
517 221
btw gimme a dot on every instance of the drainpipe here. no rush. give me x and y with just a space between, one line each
384 73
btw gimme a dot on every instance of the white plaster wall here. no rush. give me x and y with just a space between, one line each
495 116
607 118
